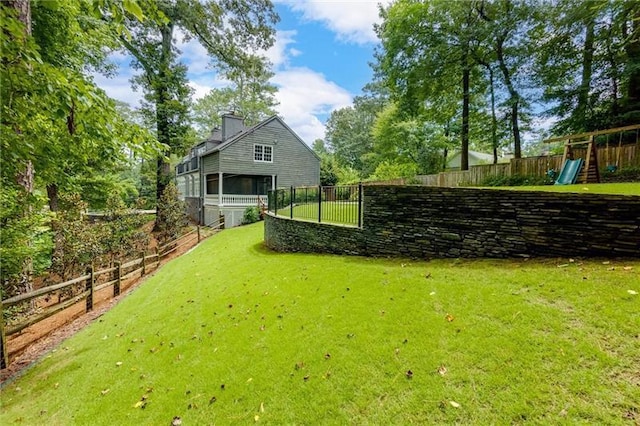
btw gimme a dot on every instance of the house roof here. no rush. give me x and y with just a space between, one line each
239 136
477 155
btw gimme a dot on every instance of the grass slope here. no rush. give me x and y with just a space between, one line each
332 212
627 188
232 333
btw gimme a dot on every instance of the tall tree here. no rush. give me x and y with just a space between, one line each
231 31
425 56
587 62
505 25
57 127
251 95
348 130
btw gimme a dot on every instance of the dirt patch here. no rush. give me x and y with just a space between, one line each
33 342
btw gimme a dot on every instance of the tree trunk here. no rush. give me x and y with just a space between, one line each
514 97
25 177
585 82
52 193
163 171
632 49
494 120
24 12
466 75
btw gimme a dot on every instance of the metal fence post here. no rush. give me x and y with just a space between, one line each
117 273
360 205
319 203
198 237
275 202
291 192
90 286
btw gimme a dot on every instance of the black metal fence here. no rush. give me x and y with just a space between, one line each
340 205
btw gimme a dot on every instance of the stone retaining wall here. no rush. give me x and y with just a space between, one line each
430 222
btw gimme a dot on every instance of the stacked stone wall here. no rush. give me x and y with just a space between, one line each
431 222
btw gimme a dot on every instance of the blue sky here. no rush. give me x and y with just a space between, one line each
320 59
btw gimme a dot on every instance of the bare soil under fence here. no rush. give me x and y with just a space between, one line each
36 340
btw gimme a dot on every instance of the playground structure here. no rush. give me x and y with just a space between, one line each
586 170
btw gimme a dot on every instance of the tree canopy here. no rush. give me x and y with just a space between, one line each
475 74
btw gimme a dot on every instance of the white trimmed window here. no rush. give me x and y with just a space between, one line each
263 153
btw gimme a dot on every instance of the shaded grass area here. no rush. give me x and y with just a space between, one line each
627 188
342 212
232 333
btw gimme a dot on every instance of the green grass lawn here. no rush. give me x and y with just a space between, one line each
342 212
232 333
627 188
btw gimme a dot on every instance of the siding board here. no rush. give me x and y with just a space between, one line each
293 162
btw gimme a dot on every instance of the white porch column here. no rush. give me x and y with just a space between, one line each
220 189
273 181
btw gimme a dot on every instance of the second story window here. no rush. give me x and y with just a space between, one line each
263 153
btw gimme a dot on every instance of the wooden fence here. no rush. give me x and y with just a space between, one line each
626 156
86 286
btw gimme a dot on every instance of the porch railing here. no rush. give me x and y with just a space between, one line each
236 199
340 205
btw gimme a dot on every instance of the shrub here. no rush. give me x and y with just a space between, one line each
251 215
516 180
631 174
25 239
77 243
171 218
124 237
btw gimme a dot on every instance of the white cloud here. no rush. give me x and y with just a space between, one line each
280 52
193 55
199 91
119 87
351 20
304 95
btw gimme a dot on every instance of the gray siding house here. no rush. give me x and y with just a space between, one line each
236 166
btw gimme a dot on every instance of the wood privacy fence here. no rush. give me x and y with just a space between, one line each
624 157
85 287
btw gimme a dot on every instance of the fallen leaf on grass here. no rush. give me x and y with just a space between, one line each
140 404
454 404
627 268
442 370
632 292
432 293
262 407
256 418
104 392
118 364
564 265
177 421
606 262
212 400
428 275
449 317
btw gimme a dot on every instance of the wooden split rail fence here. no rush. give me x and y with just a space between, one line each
89 284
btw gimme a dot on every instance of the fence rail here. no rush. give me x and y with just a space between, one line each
624 157
115 276
340 205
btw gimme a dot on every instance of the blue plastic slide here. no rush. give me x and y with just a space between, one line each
569 173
